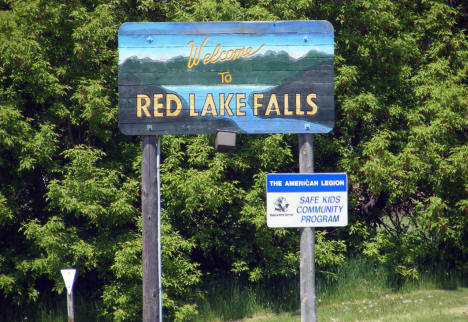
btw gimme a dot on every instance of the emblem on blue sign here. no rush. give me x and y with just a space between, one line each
281 204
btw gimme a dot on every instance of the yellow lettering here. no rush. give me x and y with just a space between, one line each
238 53
286 105
272 106
221 54
157 105
209 107
213 55
257 105
192 105
206 59
218 54
143 107
240 104
312 104
255 52
298 105
173 98
195 53
224 104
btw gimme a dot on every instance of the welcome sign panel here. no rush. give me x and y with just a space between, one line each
247 77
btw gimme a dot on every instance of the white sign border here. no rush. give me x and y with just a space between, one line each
290 218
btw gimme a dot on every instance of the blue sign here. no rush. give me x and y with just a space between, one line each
310 182
307 200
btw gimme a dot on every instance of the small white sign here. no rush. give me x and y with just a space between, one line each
307 200
68 275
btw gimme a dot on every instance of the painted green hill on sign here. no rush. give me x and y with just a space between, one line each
271 68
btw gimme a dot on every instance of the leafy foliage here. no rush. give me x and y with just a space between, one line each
403 125
69 188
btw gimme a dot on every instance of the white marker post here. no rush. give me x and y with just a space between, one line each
68 275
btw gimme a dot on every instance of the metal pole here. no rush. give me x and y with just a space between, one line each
70 308
149 205
158 178
307 240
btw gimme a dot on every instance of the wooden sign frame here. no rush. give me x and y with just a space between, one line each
244 77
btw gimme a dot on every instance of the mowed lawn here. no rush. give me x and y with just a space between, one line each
421 305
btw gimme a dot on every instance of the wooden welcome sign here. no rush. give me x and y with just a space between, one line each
247 77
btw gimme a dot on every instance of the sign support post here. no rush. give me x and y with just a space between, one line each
307 240
196 78
68 275
149 205
70 308
158 178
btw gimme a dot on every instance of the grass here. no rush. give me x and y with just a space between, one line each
421 305
228 299
51 309
361 291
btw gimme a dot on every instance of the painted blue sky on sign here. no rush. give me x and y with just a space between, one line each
163 47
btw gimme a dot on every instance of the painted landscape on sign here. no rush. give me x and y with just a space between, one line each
249 82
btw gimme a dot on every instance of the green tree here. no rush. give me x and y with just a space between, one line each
69 194
402 111
69 188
